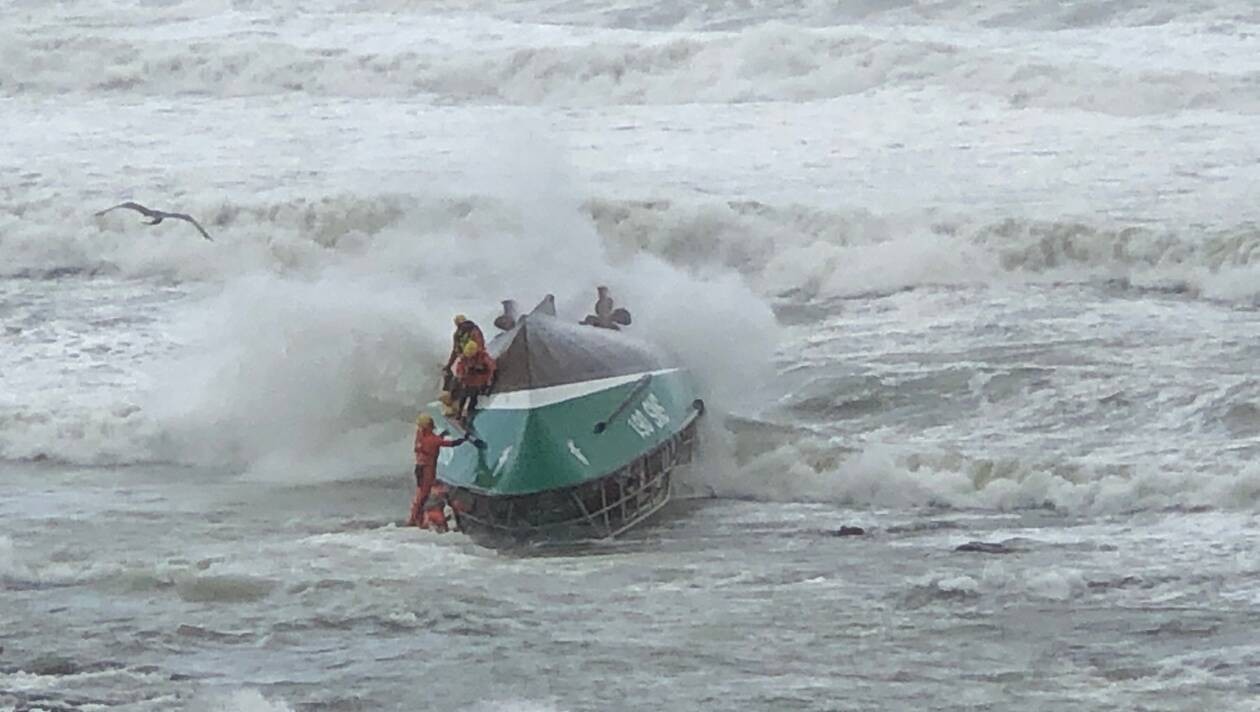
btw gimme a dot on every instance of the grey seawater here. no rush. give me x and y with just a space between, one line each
163 588
1088 447
1019 242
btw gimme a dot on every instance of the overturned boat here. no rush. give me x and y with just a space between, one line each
581 434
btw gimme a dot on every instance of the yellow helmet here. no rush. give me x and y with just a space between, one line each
471 348
424 420
460 319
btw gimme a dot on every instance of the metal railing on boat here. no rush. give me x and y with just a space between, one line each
605 507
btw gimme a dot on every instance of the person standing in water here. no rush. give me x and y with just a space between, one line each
428 444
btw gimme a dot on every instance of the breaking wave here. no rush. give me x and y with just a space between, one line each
881 476
310 351
312 327
1016 14
814 253
796 251
244 701
20 570
768 62
316 325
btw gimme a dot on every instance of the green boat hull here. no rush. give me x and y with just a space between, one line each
553 445
599 508
579 437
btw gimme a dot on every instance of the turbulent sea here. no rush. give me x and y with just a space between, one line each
949 271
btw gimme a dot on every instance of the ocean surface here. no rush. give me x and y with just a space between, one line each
949 271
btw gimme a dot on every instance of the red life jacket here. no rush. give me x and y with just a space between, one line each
476 370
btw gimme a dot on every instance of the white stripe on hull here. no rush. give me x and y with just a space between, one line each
550 395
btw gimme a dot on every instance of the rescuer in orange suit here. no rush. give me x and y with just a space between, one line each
428 444
475 373
465 330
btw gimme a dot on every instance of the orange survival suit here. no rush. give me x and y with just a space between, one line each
465 330
475 371
428 444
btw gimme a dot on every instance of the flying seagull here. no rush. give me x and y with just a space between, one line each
157 216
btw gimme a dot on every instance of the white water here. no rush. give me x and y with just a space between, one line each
948 272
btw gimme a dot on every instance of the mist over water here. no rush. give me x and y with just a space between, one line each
946 272
322 368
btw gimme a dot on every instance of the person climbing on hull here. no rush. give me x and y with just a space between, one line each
474 376
466 330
